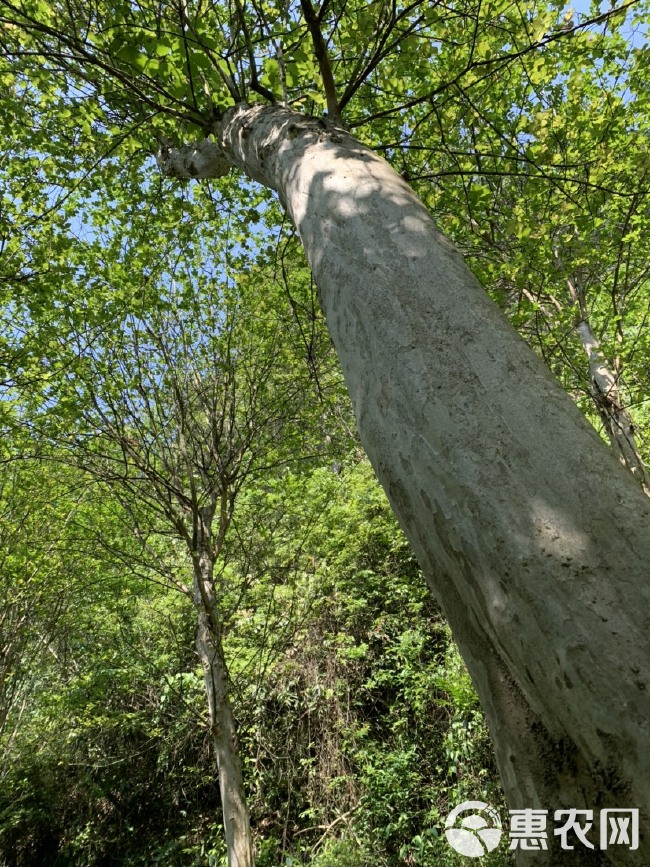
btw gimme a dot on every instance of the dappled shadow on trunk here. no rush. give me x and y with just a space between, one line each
532 536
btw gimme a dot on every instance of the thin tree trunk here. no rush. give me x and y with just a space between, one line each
604 387
532 535
607 397
223 730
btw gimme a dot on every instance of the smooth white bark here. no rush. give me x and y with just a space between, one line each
535 540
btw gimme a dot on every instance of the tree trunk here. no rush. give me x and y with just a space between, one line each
533 537
607 397
236 822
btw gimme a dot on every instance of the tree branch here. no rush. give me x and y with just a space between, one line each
320 49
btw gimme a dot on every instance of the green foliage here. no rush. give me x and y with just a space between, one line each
357 717
366 724
108 753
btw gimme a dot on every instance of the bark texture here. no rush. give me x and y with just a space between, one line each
533 537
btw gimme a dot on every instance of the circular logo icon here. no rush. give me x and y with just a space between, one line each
476 834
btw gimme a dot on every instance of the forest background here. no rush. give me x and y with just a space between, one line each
167 377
